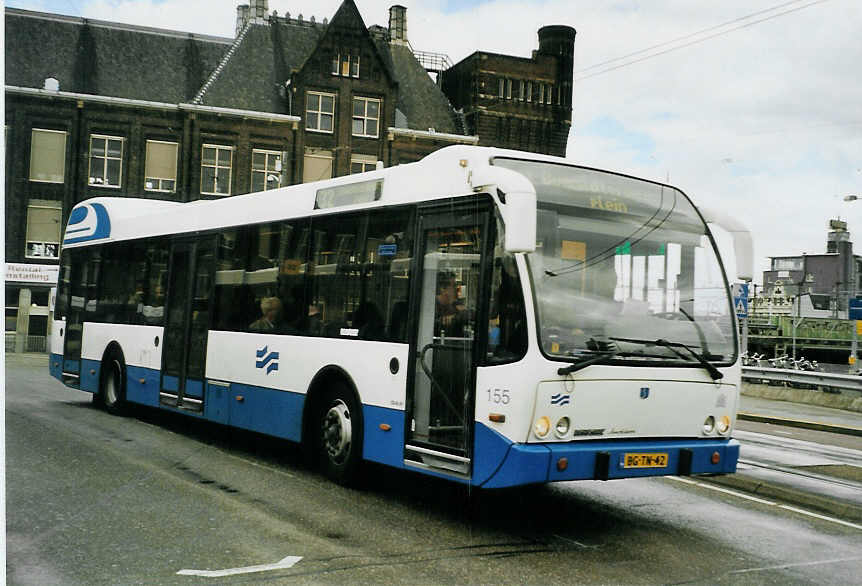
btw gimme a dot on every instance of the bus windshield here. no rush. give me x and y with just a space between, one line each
624 266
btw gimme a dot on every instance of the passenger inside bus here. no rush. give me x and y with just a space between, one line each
450 317
270 319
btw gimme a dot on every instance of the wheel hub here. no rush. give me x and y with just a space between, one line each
336 432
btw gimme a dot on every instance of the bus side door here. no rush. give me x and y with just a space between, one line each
190 285
452 248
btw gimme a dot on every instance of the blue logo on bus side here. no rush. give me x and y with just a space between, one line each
644 392
268 360
88 221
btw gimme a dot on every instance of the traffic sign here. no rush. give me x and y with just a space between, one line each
740 299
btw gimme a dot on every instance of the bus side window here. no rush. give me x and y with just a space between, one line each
386 272
507 323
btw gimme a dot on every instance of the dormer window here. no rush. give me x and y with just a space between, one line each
346 64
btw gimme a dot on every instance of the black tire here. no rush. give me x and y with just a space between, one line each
112 384
338 433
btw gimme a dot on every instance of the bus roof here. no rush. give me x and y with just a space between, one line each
444 173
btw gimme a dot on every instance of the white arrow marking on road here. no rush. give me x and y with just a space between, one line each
287 562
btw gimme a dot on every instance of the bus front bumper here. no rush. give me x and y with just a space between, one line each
601 460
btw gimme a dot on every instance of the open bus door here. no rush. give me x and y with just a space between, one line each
187 324
452 248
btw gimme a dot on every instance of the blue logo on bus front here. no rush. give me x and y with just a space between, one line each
266 359
88 221
560 399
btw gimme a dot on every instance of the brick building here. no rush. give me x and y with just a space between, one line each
98 108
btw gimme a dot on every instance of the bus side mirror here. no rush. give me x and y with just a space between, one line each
519 214
743 244
516 199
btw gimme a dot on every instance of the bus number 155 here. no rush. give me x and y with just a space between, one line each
500 396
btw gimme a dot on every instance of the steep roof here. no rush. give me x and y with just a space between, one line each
105 58
126 61
419 98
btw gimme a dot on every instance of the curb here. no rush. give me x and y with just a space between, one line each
801 423
842 510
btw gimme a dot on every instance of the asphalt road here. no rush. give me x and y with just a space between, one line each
97 499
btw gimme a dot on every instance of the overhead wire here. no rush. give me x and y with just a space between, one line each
698 40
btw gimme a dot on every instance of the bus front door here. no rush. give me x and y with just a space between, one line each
186 325
440 398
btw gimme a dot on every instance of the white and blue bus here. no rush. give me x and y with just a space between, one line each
493 317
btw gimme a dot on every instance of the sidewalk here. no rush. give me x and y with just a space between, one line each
800 415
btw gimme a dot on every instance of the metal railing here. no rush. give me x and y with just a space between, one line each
803 377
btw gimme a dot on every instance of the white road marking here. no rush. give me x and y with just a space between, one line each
287 562
796 565
765 502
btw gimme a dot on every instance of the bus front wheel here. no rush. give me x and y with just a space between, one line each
112 390
339 433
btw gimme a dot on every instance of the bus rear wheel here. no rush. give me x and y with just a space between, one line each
112 389
339 436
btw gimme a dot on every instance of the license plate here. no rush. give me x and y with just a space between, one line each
654 460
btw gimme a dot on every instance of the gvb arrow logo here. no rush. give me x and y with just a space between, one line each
267 360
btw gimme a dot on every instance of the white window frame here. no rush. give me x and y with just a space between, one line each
366 117
502 90
63 161
267 171
319 111
522 88
529 91
508 89
157 185
365 161
216 166
46 205
91 179
541 93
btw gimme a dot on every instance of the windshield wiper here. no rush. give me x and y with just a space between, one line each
672 346
585 362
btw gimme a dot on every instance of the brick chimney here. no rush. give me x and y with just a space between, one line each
398 25
255 11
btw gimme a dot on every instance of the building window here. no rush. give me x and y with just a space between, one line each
508 89
43 229
216 169
529 91
366 116
362 163
319 111
550 94
161 166
47 156
502 91
522 90
106 160
345 65
265 170
541 93
317 165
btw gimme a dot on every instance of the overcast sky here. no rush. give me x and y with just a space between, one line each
761 118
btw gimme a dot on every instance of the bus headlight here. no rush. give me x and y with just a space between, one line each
709 424
542 426
723 424
562 427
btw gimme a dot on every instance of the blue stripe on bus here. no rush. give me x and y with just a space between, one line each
528 463
55 366
194 388
90 370
275 413
385 447
142 385
171 383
